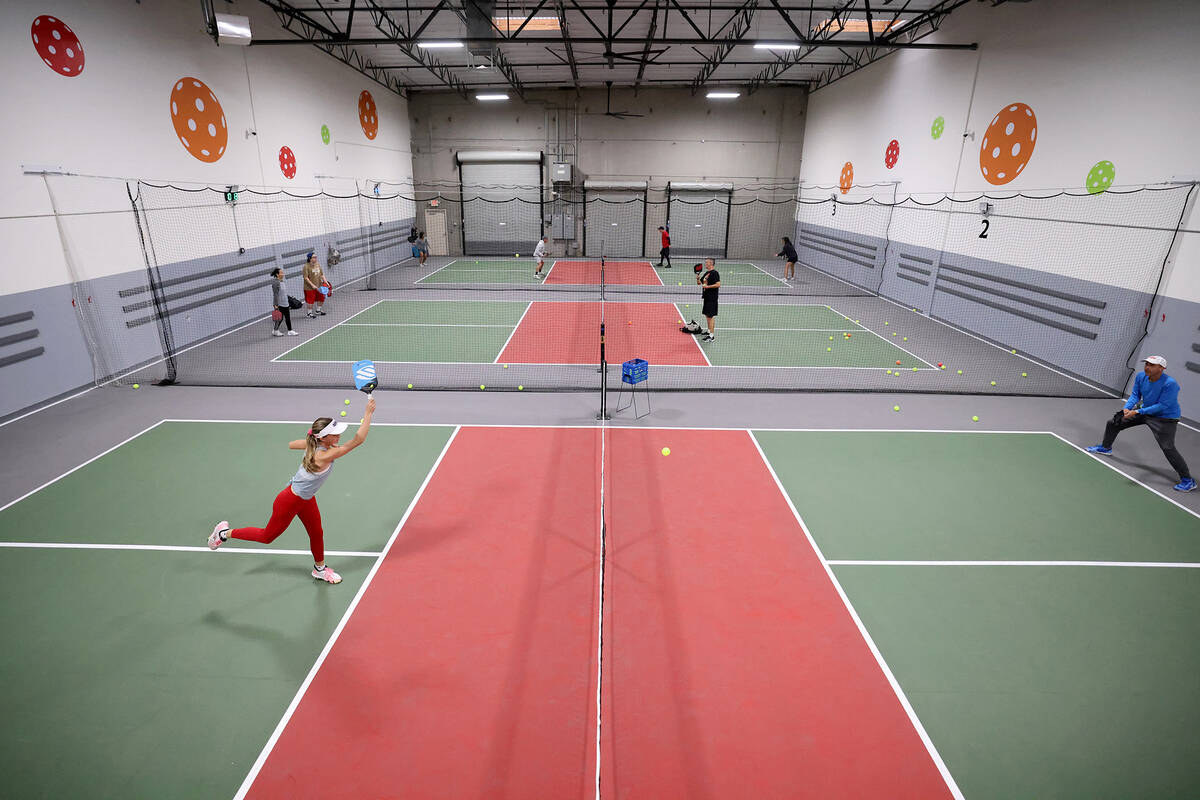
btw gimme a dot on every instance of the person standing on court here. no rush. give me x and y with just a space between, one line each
314 276
283 309
710 279
1154 402
789 254
665 252
539 253
422 247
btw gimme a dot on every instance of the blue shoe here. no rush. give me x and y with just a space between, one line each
1185 485
1099 450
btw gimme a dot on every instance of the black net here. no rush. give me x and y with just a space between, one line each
1016 295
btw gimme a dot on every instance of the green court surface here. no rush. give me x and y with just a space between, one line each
439 331
152 673
967 496
485 270
1038 682
796 336
733 273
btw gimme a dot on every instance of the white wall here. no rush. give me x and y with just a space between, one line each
1108 80
114 120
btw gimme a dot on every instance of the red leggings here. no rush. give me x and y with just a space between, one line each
288 506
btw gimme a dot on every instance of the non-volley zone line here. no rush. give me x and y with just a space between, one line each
850 562
893 344
278 551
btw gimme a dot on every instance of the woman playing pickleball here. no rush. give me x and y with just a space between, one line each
299 497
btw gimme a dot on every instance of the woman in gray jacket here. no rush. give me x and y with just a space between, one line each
283 311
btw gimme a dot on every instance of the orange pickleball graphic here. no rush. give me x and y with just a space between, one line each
199 120
847 179
366 114
1008 144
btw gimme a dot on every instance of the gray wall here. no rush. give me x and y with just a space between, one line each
681 137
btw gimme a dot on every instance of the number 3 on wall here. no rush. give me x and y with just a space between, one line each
983 233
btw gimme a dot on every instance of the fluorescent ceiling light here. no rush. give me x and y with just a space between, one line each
491 97
776 46
439 45
723 95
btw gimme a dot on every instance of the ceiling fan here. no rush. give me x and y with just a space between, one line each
608 112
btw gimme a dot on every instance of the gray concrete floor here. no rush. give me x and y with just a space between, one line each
59 438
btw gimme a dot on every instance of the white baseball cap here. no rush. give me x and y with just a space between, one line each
331 429
1159 360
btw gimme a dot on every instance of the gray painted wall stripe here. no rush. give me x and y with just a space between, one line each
1192 365
195 276
18 337
1195 347
28 354
208 299
1024 300
824 235
911 257
1086 301
1034 317
816 240
12 319
904 277
926 272
866 264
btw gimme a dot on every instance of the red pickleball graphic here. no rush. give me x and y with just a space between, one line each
1008 143
287 162
892 155
847 178
367 116
58 45
198 119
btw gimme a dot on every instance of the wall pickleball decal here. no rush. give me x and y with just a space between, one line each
847 179
1101 176
199 120
57 45
892 154
938 128
366 114
1008 144
325 134
287 162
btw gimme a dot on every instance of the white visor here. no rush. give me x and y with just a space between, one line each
331 429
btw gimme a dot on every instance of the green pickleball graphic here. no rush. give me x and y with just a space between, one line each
938 128
325 134
1101 177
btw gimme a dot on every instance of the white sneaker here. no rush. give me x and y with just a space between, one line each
327 575
214 538
277 333
292 333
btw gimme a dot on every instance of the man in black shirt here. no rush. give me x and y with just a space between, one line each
710 279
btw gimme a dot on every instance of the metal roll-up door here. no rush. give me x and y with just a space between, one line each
699 217
502 201
615 222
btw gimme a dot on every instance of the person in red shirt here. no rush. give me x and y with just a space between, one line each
665 230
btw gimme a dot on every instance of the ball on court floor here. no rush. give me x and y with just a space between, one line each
906 338
897 363
666 451
506 366
481 386
895 408
974 419
1014 352
630 322
887 323
828 349
1024 374
688 305
894 333
889 372
410 386
940 365
681 283
517 255
831 338
960 372
347 401
520 388
993 383
137 386
343 413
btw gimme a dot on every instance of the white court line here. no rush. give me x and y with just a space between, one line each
81 466
312 673
693 338
424 325
330 329
513 333
862 629
1148 564
818 330
553 264
179 548
680 366
763 271
437 270
1113 467
596 424
893 344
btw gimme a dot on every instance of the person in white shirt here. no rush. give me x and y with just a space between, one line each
540 254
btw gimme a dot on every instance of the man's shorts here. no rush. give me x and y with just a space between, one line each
710 306
313 296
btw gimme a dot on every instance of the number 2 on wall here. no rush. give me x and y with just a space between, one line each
983 233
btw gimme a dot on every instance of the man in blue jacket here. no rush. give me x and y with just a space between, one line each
1154 401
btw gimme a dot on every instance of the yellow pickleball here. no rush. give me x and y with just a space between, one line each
666 451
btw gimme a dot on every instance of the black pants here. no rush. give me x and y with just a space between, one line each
287 317
1164 434
664 253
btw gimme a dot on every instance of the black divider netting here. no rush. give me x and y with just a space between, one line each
1029 296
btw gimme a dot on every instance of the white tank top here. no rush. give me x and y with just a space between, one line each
305 484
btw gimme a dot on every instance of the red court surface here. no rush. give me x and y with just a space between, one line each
468 668
732 669
569 333
628 273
